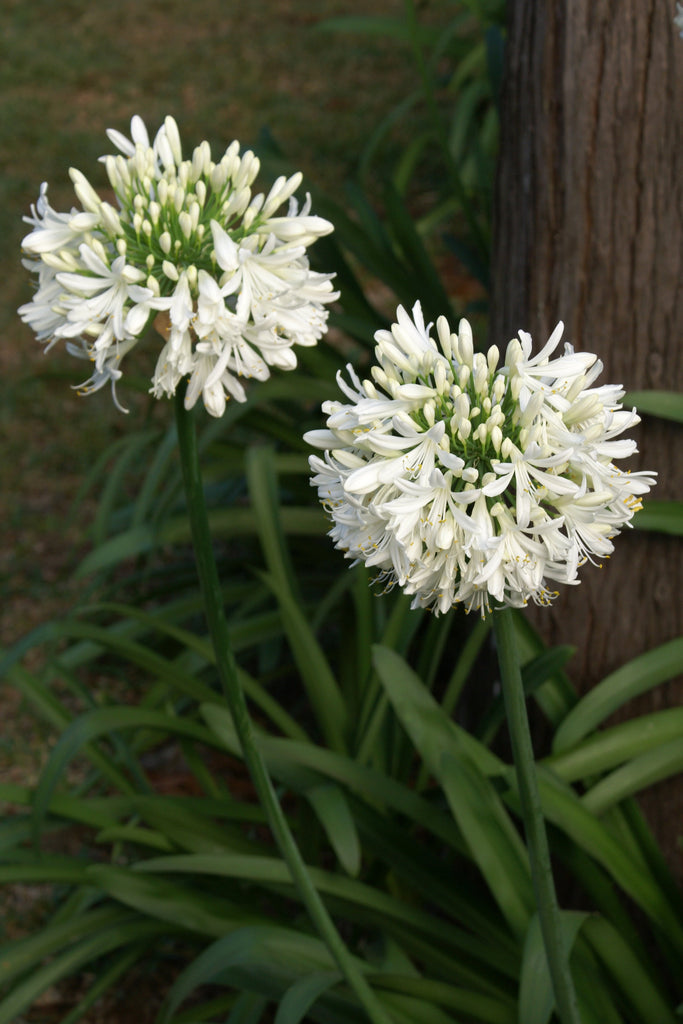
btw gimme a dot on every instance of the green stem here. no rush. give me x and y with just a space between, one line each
534 824
227 669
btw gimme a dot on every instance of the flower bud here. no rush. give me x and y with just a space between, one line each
465 343
185 223
444 333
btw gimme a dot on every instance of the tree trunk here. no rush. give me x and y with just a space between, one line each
589 230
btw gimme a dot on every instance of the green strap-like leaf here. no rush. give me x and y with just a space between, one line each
47 869
105 979
24 954
178 905
661 517
226 522
535 673
332 809
321 686
421 873
638 676
243 633
68 963
599 1003
483 1008
666 404
144 837
300 997
356 900
456 760
603 751
51 708
432 732
282 955
98 812
536 999
557 695
563 808
114 486
639 773
283 756
433 296
631 977
248 1008
96 723
494 844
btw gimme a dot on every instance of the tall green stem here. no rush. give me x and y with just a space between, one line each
227 669
534 824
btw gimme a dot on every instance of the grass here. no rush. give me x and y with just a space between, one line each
223 70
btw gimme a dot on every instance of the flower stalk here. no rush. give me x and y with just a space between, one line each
534 824
227 669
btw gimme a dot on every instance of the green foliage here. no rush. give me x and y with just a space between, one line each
459 69
383 231
421 859
659 516
381 726
666 404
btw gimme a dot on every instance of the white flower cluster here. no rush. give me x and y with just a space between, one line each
226 278
468 482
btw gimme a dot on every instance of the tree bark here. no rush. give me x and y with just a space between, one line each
589 230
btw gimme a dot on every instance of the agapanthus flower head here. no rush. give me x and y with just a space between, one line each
464 480
222 272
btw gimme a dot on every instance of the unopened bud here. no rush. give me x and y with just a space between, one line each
185 222
465 343
170 270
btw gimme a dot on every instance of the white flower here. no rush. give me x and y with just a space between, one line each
464 481
189 248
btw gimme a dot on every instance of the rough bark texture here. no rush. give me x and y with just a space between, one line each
589 230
